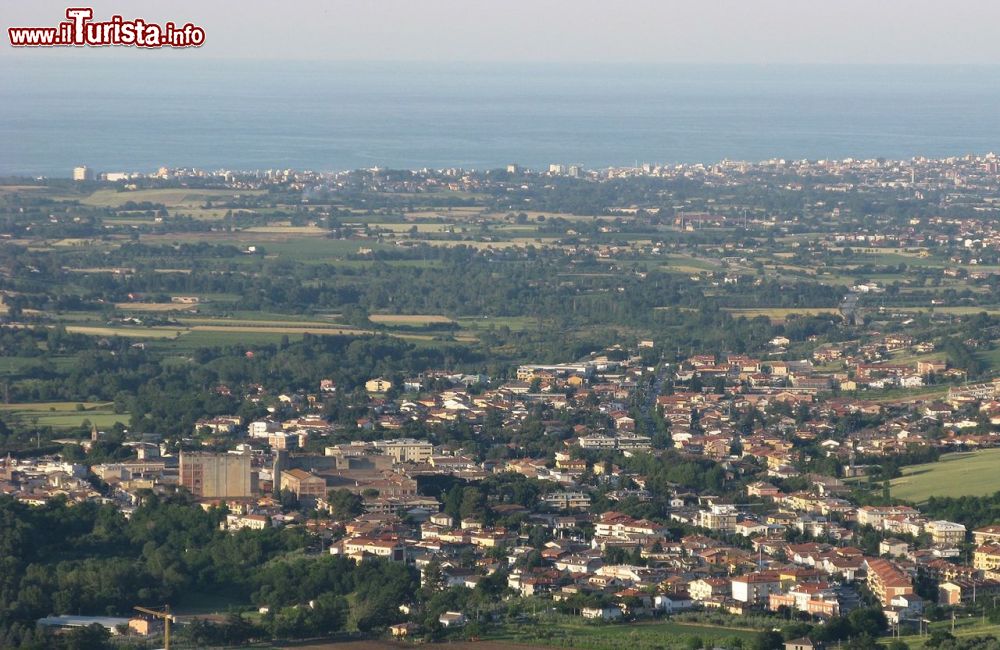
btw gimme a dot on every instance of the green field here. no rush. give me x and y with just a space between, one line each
991 358
569 632
515 323
173 198
967 474
962 310
65 415
145 332
782 313
965 626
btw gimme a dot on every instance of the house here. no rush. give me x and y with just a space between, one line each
986 534
452 619
815 598
111 623
893 547
987 557
567 500
708 588
222 425
803 644
378 385
401 630
763 490
359 547
931 367
937 410
945 532
143 626
755 587
580 562
886 580
966 590
719 517
305 485
907 606
602 613
236 522
673 602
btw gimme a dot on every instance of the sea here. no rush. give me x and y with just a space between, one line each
138 113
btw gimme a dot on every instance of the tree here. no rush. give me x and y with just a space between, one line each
938 637
868 621
769 640
328 613
863 642
473 504
91 637
344 504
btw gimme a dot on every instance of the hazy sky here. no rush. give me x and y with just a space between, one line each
655 31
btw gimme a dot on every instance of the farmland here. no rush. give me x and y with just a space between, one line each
154 306
783 313
565 632
409 319
959 474
965 627
65 415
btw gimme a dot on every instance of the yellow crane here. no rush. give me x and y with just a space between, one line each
165 616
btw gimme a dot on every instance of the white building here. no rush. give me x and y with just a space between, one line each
83 173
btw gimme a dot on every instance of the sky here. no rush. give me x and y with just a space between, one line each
557 31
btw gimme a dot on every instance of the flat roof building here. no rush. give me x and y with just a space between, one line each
209 475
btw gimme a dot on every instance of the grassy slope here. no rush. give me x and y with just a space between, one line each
967 474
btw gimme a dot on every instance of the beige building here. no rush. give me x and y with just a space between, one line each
378 385
390 549
755 587
986 534
945 532
406 450
720 517
209 475
987 557
707 588
303 484
886 581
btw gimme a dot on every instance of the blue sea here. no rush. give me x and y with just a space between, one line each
140 113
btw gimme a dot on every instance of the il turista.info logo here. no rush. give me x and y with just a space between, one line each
81 30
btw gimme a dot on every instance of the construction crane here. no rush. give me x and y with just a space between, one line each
167 618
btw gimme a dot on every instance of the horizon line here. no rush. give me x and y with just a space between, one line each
73 54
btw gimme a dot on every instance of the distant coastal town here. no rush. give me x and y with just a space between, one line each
738 405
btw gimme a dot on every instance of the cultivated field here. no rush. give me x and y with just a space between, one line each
287 230
993 310
576 633
965 626
65 415
172 198
782 313
409 319
154 306
955 475
145 332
